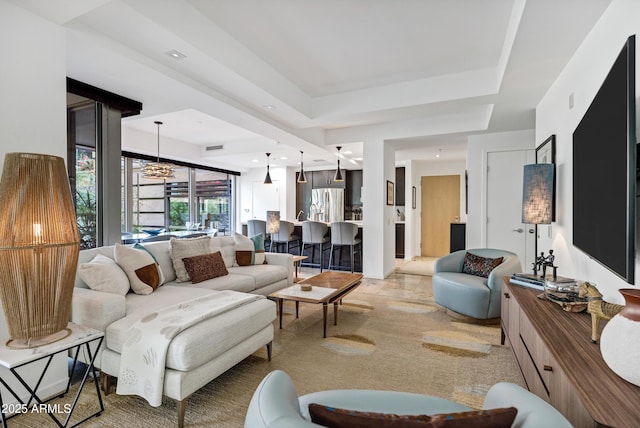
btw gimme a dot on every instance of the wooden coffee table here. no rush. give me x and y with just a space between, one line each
327 287
296 265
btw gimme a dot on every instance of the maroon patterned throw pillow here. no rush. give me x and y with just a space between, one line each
206 266
332 417
479 266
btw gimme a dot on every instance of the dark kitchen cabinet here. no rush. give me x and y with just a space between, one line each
353 195
354 187
303 197
400 171
458 237
324 179
399 240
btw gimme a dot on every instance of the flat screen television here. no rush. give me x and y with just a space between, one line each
604 171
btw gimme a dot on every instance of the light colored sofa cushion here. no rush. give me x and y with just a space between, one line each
249 251
161 251
231 281
182 248
141 269
137 306
262 275
103 274
85 256
201 342
227 247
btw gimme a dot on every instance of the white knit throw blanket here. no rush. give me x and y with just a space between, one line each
144 352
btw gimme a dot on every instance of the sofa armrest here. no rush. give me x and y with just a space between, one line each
282 259
532 410
450 263
96 309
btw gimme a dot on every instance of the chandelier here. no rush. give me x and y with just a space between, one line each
159 170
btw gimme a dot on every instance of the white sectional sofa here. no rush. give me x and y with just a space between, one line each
203 351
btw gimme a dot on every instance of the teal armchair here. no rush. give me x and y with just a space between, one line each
471 295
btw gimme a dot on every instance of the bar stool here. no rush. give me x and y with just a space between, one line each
344 234
284 236
314 233
256 227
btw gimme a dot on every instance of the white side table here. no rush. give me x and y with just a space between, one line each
14 359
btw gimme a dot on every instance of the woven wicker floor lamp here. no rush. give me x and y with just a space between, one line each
39 245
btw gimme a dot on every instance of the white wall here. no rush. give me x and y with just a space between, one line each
478 148
282 178
32 112
378 228
582 77
415 171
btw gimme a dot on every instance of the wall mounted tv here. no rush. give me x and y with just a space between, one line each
604 171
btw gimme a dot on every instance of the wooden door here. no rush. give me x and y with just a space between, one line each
440 207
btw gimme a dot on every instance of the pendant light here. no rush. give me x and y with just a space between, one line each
302 178
338 176
267 178
159 170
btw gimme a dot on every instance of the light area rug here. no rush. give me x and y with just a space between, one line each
390 335
417 266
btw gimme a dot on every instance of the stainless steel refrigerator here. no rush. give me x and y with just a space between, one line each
327 205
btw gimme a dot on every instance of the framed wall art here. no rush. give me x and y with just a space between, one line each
390 192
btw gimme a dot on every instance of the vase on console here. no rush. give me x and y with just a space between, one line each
620 339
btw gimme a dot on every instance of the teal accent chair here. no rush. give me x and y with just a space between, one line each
275 404
472 295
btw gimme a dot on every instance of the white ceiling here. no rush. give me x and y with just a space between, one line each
281 76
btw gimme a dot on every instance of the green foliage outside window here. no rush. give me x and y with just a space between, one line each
86 209
178 213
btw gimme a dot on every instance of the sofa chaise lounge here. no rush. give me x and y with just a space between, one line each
204 350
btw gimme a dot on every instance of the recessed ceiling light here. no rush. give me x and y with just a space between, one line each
284 158
254 160
347 152
176 54
268 107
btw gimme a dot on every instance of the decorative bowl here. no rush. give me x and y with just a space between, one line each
153 232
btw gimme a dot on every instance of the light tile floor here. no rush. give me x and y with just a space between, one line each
397 285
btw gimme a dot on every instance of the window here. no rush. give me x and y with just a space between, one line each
194 196
213 199
82 169
93 159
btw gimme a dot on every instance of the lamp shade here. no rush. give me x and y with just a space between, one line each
273 221
302 177
159 170
39 245
338 176
538 193
267 178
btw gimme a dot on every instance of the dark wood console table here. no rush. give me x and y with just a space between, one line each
561 365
